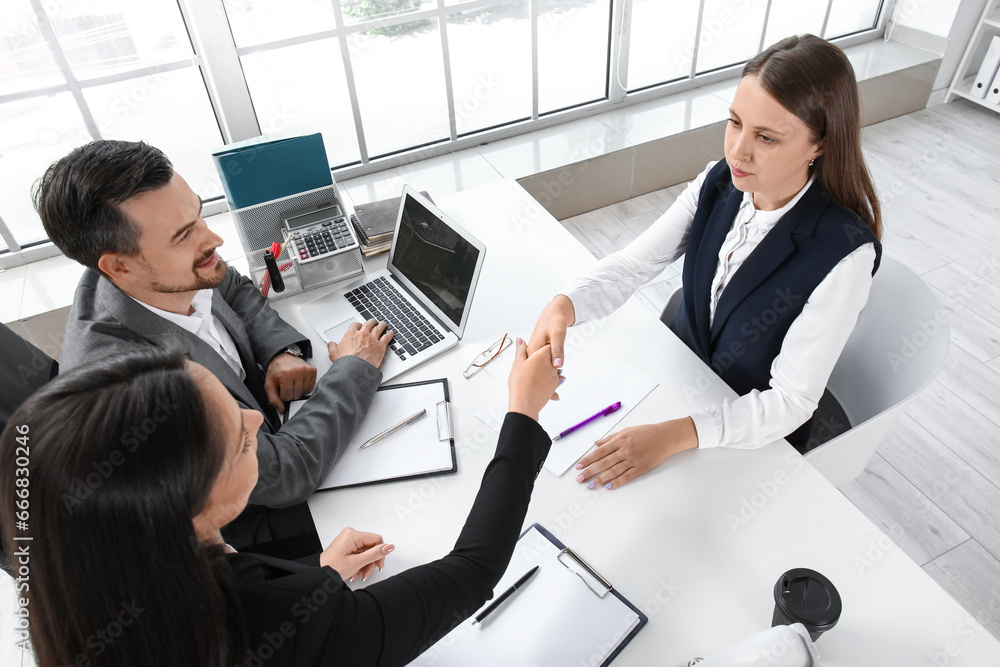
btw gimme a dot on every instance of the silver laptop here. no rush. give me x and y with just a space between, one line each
424 293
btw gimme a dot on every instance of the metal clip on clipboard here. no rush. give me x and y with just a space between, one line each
594 581
443 407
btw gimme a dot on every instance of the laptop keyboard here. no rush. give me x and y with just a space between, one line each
379 299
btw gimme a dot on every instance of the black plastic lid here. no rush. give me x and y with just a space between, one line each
807 597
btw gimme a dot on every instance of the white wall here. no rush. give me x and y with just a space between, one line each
933 16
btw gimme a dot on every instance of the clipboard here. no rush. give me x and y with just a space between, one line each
567 614
424 448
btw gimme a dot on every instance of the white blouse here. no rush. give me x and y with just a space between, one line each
203 325
809 350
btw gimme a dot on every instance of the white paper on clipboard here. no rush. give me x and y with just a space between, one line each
422 448
556 618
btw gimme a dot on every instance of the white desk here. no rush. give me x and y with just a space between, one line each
698 543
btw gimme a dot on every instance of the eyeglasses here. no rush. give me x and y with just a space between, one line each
488 355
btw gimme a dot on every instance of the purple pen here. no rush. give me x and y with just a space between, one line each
603 413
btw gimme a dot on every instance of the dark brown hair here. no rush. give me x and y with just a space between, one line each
119 455
814 80
79 196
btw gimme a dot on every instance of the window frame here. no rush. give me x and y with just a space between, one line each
218 59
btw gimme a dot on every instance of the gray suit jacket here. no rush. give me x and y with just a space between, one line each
293 459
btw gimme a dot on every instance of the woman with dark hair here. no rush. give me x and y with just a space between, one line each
133 464
781 240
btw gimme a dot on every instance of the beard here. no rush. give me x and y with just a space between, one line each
198 281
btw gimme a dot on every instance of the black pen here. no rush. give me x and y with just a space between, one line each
503 596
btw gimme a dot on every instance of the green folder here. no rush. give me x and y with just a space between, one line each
261 169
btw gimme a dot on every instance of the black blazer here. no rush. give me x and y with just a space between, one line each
300 614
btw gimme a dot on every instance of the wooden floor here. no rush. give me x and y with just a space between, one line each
934 483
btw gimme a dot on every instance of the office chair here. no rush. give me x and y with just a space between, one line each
23 369
897 348
673 305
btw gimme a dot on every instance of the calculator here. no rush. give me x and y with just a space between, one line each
318 231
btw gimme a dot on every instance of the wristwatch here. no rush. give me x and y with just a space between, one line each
294 350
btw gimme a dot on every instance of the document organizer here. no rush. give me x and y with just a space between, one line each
261 225
271 167
567 614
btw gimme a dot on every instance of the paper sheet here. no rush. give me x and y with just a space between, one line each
412 450
592 384
553 619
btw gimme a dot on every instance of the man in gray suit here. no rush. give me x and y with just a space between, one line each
154 277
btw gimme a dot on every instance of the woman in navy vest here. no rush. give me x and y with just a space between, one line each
781 240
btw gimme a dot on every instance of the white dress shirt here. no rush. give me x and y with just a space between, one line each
809 350
203 325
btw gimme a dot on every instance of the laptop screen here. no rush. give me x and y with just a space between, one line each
435 259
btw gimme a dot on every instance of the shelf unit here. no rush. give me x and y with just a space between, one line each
965 76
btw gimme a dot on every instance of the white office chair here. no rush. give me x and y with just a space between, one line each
896 349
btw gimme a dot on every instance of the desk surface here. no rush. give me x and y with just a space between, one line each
696 544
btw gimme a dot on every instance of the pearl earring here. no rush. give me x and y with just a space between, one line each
812 162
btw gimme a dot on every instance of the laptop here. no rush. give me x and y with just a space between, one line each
424 293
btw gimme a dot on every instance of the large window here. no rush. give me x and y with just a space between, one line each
76 70
380 78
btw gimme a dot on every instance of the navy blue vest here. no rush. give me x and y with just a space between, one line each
769 290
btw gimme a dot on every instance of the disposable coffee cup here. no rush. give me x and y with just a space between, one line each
807 597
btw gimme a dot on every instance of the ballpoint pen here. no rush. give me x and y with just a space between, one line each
503 596
603 413
392 429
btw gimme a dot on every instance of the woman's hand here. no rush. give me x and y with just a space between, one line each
551 328
532 381
633 451
354 552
